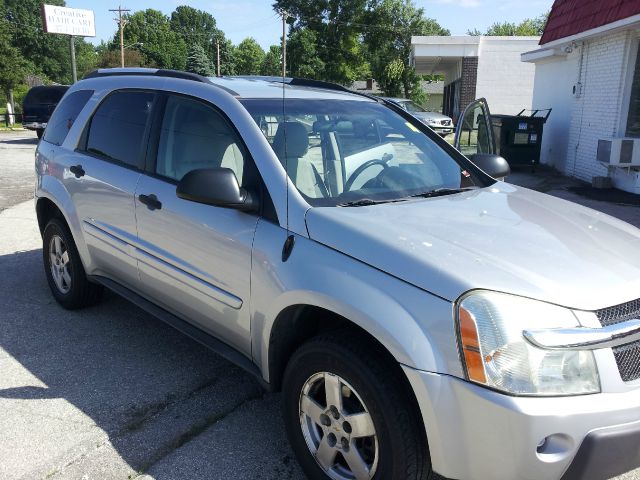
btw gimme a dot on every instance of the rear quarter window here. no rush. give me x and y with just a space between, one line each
64 115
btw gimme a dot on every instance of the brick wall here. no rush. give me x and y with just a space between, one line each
468 81
597 113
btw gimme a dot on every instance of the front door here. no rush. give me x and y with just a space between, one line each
474 134
104 172
195 259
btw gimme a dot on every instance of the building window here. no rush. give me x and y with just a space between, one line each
633 121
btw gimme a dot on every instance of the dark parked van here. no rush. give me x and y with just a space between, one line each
39 104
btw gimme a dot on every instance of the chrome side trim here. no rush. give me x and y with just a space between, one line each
582 338
112 239
188 279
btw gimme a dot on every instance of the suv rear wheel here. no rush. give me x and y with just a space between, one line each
63 268
348 415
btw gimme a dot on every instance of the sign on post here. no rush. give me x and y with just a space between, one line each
69 21
74 22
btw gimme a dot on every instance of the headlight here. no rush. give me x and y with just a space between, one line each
496 354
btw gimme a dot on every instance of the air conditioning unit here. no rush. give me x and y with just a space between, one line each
619 152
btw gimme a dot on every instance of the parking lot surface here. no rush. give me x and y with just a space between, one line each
17 172
110 392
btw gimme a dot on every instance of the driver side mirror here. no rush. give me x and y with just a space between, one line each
493 165
215 186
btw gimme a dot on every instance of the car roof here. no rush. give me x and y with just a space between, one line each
245 87
273 87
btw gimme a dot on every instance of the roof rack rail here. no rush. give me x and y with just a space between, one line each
114 72
307 82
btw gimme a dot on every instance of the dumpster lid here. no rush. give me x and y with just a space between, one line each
538 113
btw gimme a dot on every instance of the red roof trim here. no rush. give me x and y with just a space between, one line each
570 17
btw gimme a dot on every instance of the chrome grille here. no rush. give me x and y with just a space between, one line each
627 356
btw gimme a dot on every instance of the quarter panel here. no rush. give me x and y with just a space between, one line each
416 327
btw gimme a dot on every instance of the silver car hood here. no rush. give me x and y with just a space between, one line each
503 238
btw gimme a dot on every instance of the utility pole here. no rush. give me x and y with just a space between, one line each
285 16
74 72
121 22
218 61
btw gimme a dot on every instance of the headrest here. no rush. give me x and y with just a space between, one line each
296 137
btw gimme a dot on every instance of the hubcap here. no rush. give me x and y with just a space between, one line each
59 264
338 428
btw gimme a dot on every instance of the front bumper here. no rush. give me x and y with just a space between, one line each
442 130
35 125
477 433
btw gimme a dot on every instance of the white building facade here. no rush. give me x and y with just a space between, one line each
476 67
592 81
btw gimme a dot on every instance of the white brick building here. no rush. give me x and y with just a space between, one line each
588 72
475 67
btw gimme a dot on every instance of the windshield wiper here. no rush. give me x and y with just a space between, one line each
440 192
365 202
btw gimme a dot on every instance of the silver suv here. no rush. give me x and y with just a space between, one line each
422 319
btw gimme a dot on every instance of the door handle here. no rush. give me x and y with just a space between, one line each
77 170
151 201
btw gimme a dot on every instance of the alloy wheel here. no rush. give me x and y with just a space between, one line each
59 264
338 428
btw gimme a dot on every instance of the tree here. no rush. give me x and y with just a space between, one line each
338 28
529 27
194 26
13 67
302 54
161 45
272 64
249 57
110 58
392 23
197 26
197 61
49 54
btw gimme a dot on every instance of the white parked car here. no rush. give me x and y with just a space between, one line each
440 123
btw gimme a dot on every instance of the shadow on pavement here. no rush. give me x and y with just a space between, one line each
149 388
21 141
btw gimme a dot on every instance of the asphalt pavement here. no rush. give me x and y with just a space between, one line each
17 172
110 392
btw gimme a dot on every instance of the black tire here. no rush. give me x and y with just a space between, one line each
403 450
81 293
39 132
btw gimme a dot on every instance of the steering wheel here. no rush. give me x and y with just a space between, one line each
358 171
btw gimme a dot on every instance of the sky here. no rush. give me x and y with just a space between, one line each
255 18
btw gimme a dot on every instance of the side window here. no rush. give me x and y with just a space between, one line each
116 131
194 135
64 115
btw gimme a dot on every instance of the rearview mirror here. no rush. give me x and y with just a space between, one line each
493 165
215 186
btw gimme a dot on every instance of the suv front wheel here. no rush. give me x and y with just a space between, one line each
63 268
348 415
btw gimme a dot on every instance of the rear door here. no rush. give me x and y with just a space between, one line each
103 175
195 259
474 134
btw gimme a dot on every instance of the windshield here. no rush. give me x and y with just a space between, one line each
338 152
412 106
